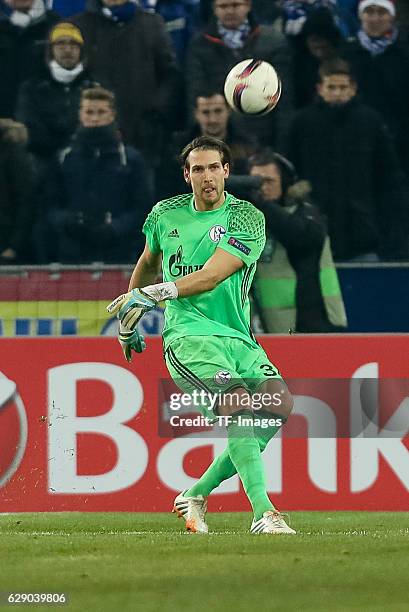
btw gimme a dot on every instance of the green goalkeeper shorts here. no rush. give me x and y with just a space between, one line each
218 364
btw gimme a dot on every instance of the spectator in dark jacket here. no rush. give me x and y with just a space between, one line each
212 118
16 185
48 105
129 51
98 196
296 12
296 286
318 42
231 36
379 60
24 27
342 147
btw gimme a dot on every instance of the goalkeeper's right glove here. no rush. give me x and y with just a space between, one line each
130 307
130 341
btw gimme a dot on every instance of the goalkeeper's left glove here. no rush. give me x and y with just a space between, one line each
130 307
130 341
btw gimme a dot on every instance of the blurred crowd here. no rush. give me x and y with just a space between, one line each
98 98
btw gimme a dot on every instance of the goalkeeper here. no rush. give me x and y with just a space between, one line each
209 243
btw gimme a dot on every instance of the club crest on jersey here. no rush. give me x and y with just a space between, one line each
222 377
216 232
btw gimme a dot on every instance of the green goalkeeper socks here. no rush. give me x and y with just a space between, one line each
223 468
264 434
244 451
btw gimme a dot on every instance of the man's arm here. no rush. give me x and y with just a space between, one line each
218 267
131 306
145 270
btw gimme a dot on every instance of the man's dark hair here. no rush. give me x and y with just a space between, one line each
334 66
209 92
287 170
206 143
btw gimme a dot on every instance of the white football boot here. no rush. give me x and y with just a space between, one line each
273 522
193 510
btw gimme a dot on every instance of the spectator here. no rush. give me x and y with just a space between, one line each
48 105
318 41
129 51
16 184
343 149
101 190
266 11
296 286
24 26
181 20
213 118
296 13
379 60
231 36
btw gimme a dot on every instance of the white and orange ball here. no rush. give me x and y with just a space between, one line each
252 87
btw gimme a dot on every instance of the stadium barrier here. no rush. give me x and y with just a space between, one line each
63 300
80 429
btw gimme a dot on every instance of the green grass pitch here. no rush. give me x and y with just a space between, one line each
339 561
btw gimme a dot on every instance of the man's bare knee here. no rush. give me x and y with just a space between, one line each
277 399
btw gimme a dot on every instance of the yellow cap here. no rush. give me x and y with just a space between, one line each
68 30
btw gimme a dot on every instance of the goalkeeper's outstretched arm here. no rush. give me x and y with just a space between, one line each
131 306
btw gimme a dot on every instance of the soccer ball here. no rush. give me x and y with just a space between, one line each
252 87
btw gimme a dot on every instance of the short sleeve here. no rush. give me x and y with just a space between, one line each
246 235
150 229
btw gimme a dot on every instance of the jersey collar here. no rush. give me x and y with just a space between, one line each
207 213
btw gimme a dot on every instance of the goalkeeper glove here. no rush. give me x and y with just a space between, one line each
130 307
130 341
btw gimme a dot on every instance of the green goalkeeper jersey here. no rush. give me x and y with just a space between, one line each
187 238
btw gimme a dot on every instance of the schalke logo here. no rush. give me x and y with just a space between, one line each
216 232
222 377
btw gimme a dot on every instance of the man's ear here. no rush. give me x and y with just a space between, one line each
186 175
226 169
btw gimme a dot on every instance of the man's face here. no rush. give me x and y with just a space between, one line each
319 48
376 21
231 13
96 113
271 188
212 114
66 52
206 175
20 5
337 89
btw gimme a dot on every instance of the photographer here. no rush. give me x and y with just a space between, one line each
296 287
100 189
